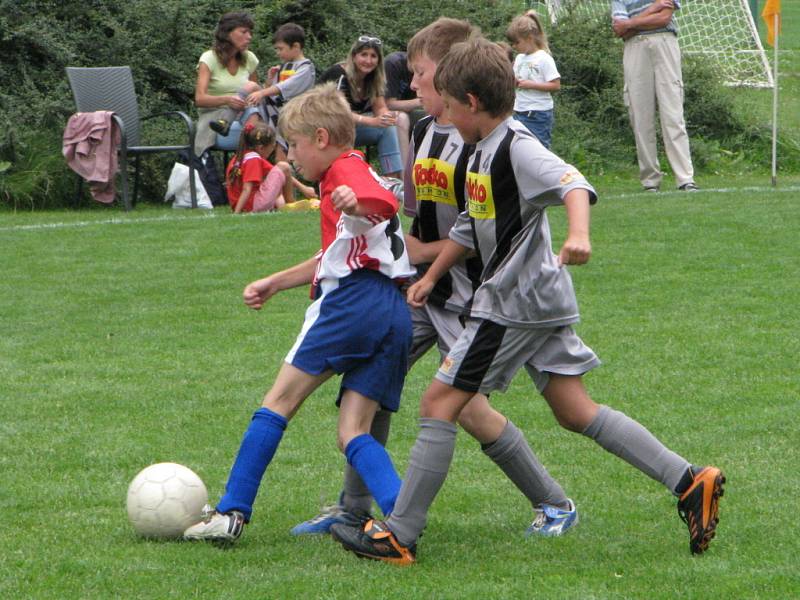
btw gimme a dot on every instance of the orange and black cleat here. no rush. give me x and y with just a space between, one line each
374 540
699 507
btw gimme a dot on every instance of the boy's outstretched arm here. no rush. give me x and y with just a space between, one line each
450 254
577 248
422 252
257 293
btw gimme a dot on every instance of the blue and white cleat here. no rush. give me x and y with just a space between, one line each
321 524
551 521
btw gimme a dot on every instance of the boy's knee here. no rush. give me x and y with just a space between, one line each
481 421
442 402
249 87
569 421
575 417
345 436
285 404
427 405
571 405
470 417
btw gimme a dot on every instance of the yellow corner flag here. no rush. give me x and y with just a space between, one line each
771 9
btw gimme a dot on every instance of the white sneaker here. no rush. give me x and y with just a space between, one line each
217 527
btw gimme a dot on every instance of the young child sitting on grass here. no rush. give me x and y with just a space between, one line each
358 326
254 184
521 315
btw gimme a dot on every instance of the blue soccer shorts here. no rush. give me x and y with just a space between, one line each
361 329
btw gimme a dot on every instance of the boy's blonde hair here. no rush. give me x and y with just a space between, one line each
435 39
322 107
481 68
527 26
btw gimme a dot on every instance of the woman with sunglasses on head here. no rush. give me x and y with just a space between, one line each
362 81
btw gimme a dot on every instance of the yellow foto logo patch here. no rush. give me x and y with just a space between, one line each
479 196
433 181
446 365
570 176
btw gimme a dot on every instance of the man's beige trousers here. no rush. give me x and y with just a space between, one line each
652 66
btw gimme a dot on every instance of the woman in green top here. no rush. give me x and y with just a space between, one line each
225 75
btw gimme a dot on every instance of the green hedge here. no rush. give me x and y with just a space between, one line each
162 39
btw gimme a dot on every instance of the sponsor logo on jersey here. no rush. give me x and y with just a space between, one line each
479 196
433 181
570 176
446 365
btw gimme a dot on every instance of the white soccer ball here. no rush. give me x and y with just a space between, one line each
164 499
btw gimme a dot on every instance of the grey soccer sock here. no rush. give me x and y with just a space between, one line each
355 496
621 435
430 460
515 457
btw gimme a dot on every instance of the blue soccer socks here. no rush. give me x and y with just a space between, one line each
375 467
259 444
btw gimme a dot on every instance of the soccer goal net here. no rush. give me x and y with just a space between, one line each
722 31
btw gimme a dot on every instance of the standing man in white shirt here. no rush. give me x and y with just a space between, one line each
652 65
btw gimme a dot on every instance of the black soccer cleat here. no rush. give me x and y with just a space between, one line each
375 541
699 507
220 126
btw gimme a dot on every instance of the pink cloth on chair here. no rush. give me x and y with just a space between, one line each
90 147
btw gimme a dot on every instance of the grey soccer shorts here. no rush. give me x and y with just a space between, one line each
433 325
486 356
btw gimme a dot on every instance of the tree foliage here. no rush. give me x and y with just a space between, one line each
162 39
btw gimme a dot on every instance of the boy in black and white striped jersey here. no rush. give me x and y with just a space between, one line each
521 315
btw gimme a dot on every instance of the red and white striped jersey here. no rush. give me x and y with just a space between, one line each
349 243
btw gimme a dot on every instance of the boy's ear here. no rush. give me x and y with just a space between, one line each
474 103
322 138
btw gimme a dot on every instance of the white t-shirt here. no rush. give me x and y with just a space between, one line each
541 68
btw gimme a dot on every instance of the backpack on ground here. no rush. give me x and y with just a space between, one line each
206 166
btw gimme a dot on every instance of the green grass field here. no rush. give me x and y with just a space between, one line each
123 342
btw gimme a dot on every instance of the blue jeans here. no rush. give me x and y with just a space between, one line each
385 138
539 123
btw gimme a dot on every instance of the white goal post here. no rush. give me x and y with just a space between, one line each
722 31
